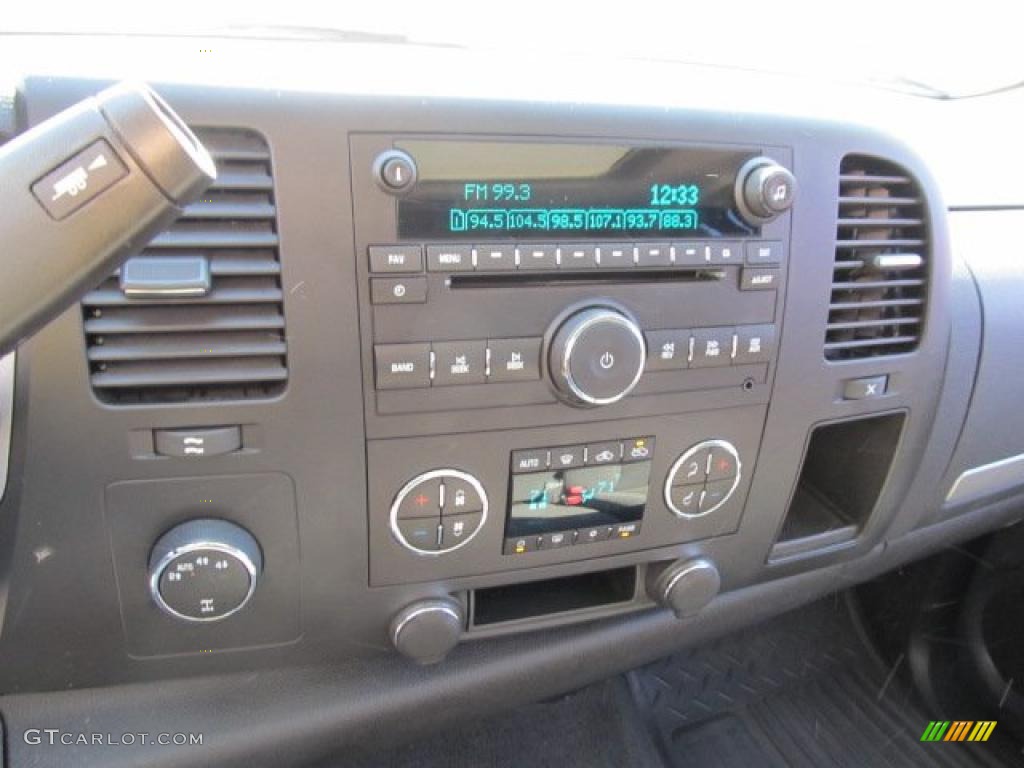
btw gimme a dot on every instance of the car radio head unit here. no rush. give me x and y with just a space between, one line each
473 189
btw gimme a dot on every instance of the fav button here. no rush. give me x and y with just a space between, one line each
396 258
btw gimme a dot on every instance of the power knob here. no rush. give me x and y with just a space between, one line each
204 570
596 357
764 190
686 586
428 630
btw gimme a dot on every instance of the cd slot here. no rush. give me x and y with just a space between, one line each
610 277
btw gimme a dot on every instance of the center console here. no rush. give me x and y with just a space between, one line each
567 346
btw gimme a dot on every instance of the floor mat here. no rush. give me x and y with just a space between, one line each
803 689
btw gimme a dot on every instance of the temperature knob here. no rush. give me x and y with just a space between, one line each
597 356
764 190
204 570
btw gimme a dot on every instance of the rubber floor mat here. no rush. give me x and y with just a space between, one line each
803 689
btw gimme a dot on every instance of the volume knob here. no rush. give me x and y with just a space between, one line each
764 190
596 357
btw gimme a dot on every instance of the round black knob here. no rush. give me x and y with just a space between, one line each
686 586
427 630
597 356
764 190
395 171
204 570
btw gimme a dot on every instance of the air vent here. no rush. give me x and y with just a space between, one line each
226 343
879 282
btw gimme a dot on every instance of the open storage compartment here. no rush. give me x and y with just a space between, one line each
844 470
567 594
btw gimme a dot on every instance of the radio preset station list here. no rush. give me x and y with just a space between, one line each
480 190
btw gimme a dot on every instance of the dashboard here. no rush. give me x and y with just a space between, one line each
446 395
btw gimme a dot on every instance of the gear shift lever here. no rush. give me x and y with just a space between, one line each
82 192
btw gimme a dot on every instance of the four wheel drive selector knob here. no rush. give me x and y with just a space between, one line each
764 190
204 570
596 357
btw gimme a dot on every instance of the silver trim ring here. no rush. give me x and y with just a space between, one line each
700 564
431 475
725 446
216 546
438 605
601 316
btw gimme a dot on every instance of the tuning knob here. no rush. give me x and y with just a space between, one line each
428 630
596 357
204 570
764 190
686 586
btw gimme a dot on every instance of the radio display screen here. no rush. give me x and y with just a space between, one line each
484 190
584 497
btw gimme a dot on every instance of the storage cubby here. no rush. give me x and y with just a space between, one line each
843 472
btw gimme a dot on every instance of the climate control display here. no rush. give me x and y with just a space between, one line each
577 494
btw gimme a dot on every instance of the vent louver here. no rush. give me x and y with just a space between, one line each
879 282
227 344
